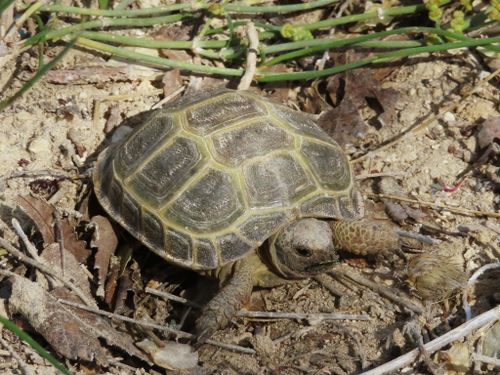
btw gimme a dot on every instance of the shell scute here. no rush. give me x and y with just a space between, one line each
329 164
209 204
157 179
206 254
223 109
300 123
259 227
256 138
277 180
232 247
143 142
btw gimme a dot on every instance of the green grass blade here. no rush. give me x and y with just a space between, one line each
36 346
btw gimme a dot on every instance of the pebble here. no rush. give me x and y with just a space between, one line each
40 146
449 118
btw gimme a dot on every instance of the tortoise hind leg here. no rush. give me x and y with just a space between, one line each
365 236
227 302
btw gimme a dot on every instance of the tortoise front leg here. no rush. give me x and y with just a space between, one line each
365 236
229 300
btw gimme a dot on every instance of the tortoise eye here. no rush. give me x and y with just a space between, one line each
303 251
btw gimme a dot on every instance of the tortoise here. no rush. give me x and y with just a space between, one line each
232 185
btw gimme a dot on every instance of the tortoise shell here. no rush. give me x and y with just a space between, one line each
207 180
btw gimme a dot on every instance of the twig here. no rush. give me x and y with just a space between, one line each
382 290
60 238
23 366
253 38
308 316
155 326
173 297
266 314
433 205
486 359
470 283
433 117
49 271
168 98
382 174
436 344
29 246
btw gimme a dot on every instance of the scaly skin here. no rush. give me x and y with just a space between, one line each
363 237
228 301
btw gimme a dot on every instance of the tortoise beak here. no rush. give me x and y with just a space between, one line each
320 267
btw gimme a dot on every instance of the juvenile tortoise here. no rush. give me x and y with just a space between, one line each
230 184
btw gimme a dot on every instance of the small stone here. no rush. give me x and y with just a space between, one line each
39 145
449 118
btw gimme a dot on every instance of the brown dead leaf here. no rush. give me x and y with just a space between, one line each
354 90
171 81
112 281
42 215
344 123
72 332
72 270
105 240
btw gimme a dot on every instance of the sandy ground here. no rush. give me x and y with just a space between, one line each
60 127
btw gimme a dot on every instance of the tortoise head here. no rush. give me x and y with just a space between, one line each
302 249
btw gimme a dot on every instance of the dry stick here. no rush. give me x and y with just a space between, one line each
155 326
436 344
29 246
253 47
380 289
433 205
381 174
267 314
485 359
23 366
433 117
49 271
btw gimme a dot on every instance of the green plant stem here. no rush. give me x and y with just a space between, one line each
263 76
159 61
152 43
388 12
317 45
106 22
59 8
242 8
186 7
35 345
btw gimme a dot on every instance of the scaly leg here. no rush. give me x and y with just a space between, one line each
227 302
365 236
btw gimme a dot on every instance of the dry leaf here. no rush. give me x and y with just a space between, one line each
42 214
344 123
171 355
105 240
72 332
72 270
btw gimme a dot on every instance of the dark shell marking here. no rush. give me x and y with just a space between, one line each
203 182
